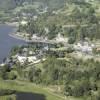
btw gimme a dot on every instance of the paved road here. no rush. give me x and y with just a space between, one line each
35 40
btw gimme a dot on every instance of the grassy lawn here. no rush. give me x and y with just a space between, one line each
28 87
10 97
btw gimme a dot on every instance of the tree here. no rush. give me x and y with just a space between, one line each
71 40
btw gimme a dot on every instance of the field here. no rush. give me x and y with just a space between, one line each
27 87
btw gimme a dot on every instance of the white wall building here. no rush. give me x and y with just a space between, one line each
60 38
24 22
21 59
84 47
31 58
46 30
35 37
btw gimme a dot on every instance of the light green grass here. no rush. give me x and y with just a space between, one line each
9 97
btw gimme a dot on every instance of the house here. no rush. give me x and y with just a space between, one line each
46 48
2 64
86 49
55 12
98 49
31 58
35 37
61 38
21 59
78 46
35 17
25 50
46 30
44 10
24 22
31 52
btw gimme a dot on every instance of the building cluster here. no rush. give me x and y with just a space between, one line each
84 47
30 55
42 38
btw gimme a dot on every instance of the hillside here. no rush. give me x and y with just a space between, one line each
76 19
61 55
10 4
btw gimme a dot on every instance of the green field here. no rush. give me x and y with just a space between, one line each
27 87
10 97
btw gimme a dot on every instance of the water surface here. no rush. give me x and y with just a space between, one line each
29 96
7 42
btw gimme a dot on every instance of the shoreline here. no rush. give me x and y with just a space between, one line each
16 24
5 38
12 24
17 37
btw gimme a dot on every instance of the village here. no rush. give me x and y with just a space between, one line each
35 55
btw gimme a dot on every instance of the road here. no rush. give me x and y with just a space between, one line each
35 40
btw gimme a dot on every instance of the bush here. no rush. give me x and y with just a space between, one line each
71 40
70 49
11 75
78 88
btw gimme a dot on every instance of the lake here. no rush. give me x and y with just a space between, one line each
7 42
29 96
22 95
